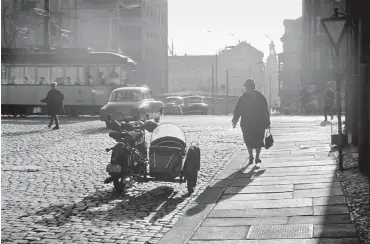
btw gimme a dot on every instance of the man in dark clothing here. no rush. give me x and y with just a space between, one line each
253 110
329 101
54 103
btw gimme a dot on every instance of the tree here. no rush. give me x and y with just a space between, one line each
10 10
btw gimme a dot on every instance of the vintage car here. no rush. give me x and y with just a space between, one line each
195 105
131 104
173 105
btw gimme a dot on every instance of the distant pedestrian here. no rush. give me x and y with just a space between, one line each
54 103
329 102
255 119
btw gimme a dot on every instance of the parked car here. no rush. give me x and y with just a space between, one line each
195 105
131 104
174 105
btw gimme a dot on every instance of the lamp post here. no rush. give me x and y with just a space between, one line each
335 27
215 76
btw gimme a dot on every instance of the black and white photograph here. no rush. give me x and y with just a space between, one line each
185 121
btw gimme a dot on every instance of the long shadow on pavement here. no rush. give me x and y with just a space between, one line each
201 202
159 197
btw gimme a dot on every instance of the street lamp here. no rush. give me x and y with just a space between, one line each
119 7
216 72
335 28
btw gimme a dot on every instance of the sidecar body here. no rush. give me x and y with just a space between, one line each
167 156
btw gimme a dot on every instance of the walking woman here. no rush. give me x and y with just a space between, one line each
255 119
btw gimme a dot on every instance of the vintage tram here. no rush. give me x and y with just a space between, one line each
86 78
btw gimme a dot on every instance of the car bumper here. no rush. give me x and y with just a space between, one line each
118 117
172 110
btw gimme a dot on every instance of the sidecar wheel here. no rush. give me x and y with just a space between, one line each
191 180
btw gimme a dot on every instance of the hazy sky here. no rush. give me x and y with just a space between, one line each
203 26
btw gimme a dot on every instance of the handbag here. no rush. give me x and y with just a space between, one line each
269 140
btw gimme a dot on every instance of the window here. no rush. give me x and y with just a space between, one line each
318 25
126 96
43 71
57 75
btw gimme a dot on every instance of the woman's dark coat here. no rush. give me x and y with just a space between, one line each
255 118
54 102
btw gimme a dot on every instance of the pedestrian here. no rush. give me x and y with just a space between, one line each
255 119
54 103
329 102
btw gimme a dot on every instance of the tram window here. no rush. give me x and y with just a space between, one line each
71 71
114 77
57 75
17 75
30 72
4 75
43 71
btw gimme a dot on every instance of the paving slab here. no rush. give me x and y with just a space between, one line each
260 182
321 219
337 191
284 241
259 189
244 221
272 212
221 233
314 169
331 209
218 183
297 163
298 231
294 177
316 185
209 195
257 196
187 224
335 230
226 174
257 204
302 172
333 200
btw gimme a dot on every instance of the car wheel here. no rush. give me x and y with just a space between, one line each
108 124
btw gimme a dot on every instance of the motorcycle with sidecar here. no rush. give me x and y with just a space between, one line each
167 159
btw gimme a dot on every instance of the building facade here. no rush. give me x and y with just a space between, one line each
232 67
271 86
190 73
317 57
136 28
290 63
240 62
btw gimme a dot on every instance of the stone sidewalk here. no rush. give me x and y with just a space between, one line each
292 197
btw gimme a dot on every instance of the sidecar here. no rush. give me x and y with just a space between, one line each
169 157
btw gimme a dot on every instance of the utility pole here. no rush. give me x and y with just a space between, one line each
216 78
227 92
355 81
363 125
46 25
76 22
213 90
270 94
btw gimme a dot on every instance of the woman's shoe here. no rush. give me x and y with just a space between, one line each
251 160
258 161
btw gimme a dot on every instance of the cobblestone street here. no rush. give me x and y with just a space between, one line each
53 191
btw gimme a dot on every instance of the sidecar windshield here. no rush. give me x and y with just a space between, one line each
168 130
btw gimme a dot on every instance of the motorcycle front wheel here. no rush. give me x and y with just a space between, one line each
119 186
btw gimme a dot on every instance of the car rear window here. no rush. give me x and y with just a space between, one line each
125 96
